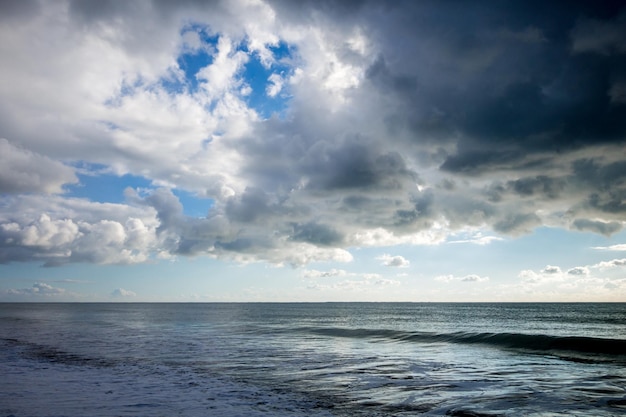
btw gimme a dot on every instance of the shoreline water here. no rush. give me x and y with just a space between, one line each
340 359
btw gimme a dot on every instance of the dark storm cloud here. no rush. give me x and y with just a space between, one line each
93 10
516 223
611 202
500 93
599 176
604 182
480 161
505 77
12 9
354 165
317 234
419 216
540 186
604 228
301 10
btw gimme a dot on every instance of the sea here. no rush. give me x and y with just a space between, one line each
312 359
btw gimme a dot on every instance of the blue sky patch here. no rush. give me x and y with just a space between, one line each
193 206
191 64
105 188
192 61
102 187
281 51
256 75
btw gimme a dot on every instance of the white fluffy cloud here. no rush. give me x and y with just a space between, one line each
618 247
550 270
611 264
466 278
275 85
122 293
38 290
578 271
596 278
394 261
340 280
73 230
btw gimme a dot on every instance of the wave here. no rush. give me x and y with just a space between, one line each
558 345
53 355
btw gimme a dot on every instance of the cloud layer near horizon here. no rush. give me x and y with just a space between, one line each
403 122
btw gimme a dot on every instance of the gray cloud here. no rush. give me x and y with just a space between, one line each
354 165
317 234
402 118
515 223
38 290
600 36
604 228
25 171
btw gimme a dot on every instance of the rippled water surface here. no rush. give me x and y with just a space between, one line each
336 359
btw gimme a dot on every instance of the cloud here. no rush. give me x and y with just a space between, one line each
308 126
313 273
275 85
334 273
39 289
478 239
122 293
386 282
354 285
601 281
515 223
530 277
617 247
549 269
600 36
548 275
345 281
604 228
74 230
578 271
610 264
466 278
394 261
25 171
600 273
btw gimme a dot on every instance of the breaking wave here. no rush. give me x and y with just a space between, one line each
585 347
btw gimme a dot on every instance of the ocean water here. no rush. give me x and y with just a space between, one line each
318 359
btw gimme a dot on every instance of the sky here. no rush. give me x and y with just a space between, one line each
248 150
